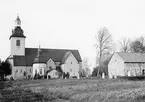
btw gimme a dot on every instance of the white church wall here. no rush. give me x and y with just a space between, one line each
18 72
53 74
29 71
72 69
50 63
80 65
71 65
17 50
39 67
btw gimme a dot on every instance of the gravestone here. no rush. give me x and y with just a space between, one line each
103 76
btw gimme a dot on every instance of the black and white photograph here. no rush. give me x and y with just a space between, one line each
72 50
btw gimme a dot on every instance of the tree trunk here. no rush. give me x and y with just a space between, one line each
98 72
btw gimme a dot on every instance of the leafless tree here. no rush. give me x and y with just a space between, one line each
142 40
125 44
104 45
86 66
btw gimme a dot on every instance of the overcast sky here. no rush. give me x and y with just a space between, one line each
70 24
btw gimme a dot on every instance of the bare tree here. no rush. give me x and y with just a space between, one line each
104 43
142 40
125 44
86 66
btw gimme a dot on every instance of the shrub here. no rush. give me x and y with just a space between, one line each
134 78
2 85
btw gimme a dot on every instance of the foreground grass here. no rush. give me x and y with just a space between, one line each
82 90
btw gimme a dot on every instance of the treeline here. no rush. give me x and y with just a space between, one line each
5 69
137 45
105 48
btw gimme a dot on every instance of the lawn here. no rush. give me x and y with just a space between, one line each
82 90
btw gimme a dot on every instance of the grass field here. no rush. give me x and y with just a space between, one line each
84 90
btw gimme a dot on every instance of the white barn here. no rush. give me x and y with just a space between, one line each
126 64
26 62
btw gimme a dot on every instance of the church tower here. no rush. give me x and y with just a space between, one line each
17 39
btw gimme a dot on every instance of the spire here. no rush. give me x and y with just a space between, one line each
17 31
38 52
18 21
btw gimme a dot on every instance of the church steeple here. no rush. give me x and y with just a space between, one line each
39 51
18 31
18 21
39 58
17 39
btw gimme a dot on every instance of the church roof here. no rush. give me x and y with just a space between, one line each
18 32
65 56
132 57
56 55
40 59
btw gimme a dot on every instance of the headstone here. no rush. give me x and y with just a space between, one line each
78 77
103 76
129 73
115 76
110 76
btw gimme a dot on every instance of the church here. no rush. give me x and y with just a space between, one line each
26 62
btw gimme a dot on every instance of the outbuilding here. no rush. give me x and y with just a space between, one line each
126 64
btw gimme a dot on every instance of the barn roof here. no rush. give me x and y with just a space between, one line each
132 57
57 55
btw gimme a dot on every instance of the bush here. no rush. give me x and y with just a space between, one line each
134 78
2 85
45 76
11 78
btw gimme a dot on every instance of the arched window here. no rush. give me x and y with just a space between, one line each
18 43
40 71
30 70
143 72
35 71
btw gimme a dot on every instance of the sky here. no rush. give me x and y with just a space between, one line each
70 24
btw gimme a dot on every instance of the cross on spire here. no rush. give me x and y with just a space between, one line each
39 50
18 21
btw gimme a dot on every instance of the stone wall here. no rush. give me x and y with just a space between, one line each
22 72
134 69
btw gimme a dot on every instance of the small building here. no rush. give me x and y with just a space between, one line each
53 74
126 64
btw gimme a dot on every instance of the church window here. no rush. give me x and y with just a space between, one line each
18 43
16 71
71 62
143 72
50 67
40 71
24 73
35 71
55 73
